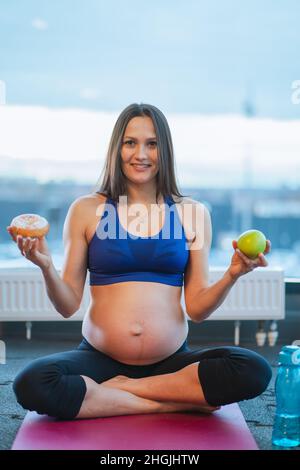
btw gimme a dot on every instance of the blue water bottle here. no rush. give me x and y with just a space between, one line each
286 429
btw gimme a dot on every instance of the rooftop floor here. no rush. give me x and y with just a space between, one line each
258 412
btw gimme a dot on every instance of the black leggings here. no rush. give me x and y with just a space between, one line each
53 384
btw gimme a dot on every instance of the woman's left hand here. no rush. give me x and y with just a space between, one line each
241 264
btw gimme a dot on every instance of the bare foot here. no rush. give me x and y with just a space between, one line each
122 382
170 407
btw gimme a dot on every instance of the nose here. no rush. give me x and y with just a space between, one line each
141 152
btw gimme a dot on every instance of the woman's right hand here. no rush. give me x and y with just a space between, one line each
34 249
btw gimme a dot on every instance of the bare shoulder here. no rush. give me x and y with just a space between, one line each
90 198
191 202
87 210
195 217
88 201
200 207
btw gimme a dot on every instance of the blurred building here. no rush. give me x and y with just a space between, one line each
275 212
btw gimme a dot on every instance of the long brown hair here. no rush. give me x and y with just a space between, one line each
112 181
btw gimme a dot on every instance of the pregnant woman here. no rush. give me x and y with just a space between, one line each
141 241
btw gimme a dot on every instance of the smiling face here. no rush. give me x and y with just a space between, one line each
139 151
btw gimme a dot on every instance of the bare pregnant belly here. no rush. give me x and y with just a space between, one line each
135 323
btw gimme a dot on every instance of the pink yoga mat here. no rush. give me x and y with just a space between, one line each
223 430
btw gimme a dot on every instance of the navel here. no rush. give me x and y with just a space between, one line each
136 329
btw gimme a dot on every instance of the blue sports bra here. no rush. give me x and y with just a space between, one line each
115 255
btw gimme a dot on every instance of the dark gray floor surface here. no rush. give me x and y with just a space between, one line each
258 412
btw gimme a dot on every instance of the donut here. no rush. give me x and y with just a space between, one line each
30 225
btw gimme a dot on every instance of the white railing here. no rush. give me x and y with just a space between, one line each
259 295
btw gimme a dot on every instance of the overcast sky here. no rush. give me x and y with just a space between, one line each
215 150
70 66
193 56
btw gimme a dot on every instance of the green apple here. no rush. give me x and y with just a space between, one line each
251 243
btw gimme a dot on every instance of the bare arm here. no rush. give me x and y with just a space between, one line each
65 291
62 296
202 299
210 298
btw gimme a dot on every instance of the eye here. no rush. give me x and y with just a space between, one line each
153 143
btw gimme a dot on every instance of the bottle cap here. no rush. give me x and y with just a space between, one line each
290 355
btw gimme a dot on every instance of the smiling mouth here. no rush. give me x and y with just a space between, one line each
139 165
